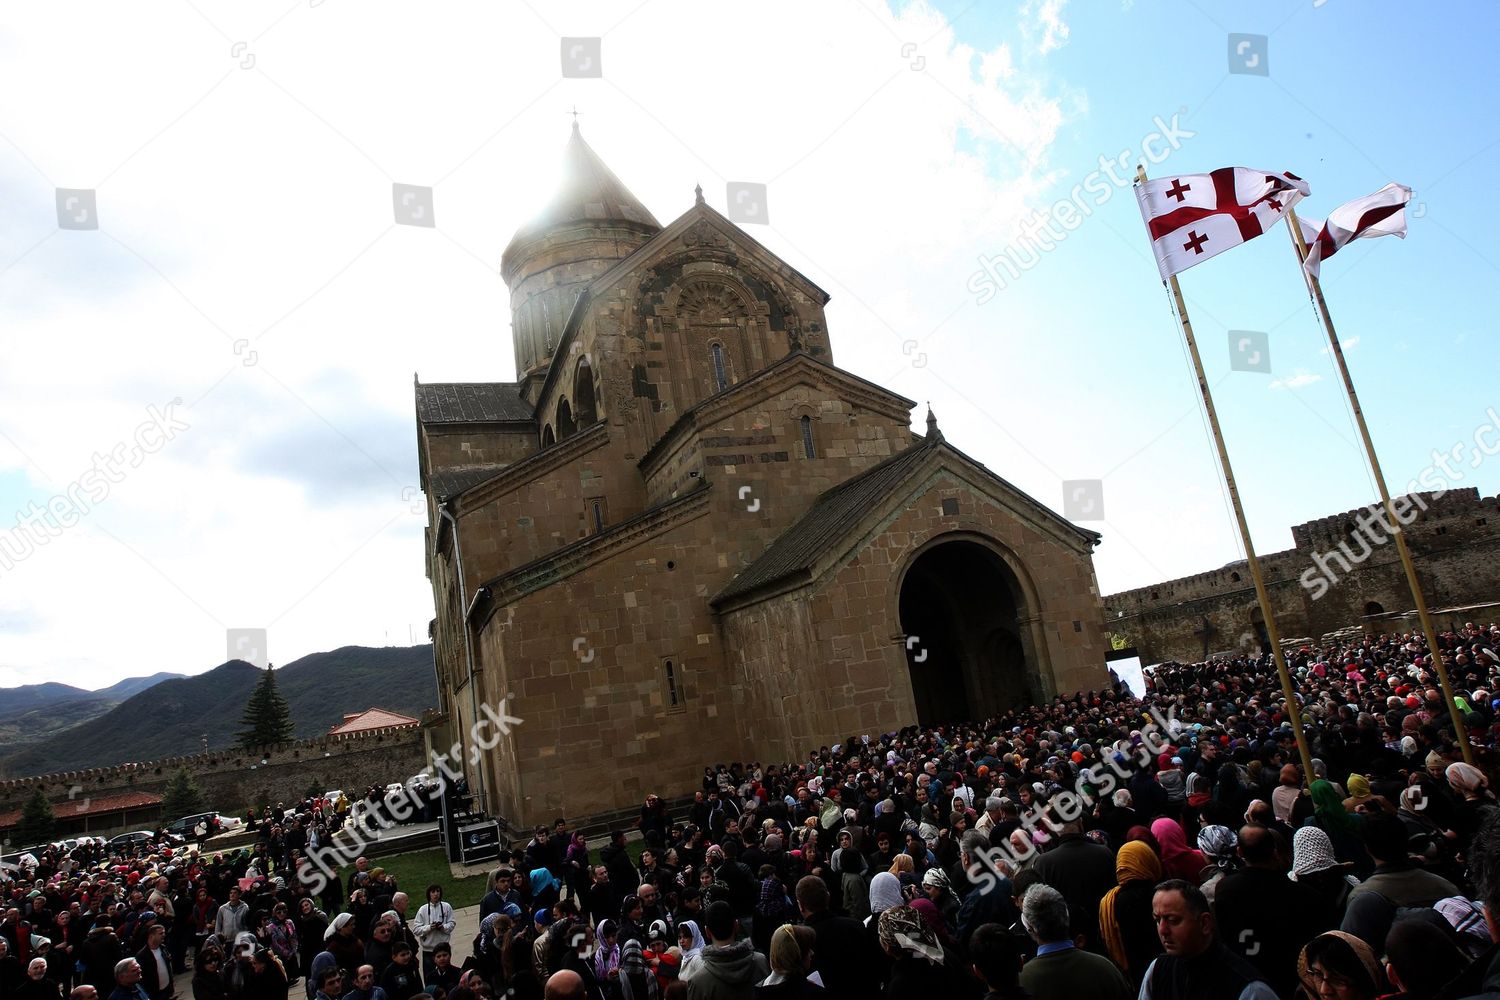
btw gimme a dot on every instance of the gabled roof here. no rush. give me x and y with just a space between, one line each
450 483
833 515
589 192
837 512
371 718
471 403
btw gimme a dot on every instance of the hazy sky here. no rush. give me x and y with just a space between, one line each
217 379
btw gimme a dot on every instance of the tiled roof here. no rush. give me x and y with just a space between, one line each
450 483
835 512
471 403
372 718
90 805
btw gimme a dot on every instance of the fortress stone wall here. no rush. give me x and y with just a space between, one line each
1455 543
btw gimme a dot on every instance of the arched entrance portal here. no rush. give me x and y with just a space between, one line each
961 610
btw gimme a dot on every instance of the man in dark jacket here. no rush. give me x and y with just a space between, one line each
1196 963
1083 872
989 902
1261 914
156 964
616 860
842 955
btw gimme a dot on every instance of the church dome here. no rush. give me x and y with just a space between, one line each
589 195
591 223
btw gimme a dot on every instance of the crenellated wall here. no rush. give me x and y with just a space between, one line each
1455 543
234 779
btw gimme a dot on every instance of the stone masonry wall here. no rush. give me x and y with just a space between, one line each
233 780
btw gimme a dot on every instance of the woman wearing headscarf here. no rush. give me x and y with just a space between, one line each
1125 921
847 866
347 949
1178 860
1230 790
1342 827
312 924
1476 800
937 888
268 980
691 943
885 894
1339 965
636 981
919 970
545 889
1324 876
1220 845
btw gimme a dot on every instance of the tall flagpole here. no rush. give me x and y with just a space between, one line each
1395 523
1294 711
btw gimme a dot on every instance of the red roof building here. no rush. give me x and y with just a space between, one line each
371 719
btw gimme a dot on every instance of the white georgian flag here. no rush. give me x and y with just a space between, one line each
1380 214
1193 217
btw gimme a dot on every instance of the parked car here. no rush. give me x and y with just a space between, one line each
227 823
198 826
127 841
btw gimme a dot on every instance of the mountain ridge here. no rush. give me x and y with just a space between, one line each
187 714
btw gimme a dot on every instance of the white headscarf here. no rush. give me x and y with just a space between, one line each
698 943
335 924
885 892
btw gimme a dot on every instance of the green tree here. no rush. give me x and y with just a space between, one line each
267 718
181 797
37 821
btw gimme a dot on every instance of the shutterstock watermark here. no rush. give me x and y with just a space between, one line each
323 863
1372 527
39 524
1067 806
1039 231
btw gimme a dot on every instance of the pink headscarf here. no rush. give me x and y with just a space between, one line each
1178 860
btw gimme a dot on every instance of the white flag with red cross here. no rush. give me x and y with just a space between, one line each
1193 217
1380 214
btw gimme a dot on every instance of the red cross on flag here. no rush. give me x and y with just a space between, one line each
1192 217
1380 214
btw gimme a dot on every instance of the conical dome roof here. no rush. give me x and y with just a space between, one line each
589 193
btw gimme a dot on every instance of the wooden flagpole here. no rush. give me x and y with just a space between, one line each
1294 711
1395 526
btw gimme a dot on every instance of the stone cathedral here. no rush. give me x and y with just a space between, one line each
684 535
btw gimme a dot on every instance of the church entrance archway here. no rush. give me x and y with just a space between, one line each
963 614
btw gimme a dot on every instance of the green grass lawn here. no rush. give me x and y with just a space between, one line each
415 871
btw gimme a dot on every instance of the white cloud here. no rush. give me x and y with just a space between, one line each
1043 23
1346 344
1297 380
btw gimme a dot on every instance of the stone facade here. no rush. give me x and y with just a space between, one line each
1455 543
690 537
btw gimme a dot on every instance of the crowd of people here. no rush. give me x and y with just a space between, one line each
1103 845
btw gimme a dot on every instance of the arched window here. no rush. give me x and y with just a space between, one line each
585 409
566 428
548 439
721 376
1374 608
807 438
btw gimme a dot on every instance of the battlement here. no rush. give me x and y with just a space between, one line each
1458 502
236 776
